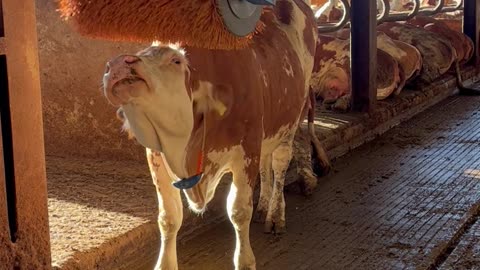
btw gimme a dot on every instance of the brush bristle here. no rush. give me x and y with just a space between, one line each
194 23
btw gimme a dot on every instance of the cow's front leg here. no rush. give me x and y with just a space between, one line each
170 212
240 208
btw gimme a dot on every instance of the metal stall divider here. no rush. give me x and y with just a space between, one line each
363 50
363 46
471 25
24 234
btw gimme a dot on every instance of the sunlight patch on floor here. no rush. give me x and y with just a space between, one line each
78 228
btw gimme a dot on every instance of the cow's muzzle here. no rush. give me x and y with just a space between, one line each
122 82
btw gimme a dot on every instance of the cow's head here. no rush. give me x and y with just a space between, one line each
152 90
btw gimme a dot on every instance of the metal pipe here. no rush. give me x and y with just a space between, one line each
403 16
416 9
429 11
385 11
458 6
327 28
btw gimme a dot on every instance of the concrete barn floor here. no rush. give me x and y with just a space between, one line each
410 199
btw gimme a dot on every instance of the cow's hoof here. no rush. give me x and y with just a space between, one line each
274 227
280 228
259 216
246 268
307 189
325 168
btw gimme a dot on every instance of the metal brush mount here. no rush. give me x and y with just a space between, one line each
241 16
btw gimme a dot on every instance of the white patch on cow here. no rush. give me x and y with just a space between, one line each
264 77
341 50
271 143
287 67
224 161
205 100
294 33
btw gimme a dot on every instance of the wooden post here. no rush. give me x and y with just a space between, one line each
24 233
363 49
471 24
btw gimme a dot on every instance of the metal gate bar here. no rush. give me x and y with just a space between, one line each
24 234
363 49
471 24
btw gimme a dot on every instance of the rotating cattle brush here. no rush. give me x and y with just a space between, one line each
210 24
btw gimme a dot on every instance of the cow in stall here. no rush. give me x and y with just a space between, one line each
438 54
398 63
447 25
452 19
203 113
442 47
431 42
331 74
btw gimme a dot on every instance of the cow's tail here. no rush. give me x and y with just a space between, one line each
464 90
320 151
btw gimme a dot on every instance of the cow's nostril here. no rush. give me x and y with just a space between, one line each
130 59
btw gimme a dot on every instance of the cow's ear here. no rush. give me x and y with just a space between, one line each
213 97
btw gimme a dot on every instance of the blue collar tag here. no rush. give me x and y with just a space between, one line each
188 183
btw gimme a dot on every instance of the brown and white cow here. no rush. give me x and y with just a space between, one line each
462 44
438 54
331 73
398 63
204 112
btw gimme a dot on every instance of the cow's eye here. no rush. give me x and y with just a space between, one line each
176 61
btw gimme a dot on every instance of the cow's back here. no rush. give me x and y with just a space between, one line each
437 53
268 80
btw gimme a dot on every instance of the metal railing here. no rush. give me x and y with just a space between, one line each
332 27
387 15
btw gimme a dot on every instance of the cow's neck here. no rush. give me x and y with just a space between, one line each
183 153
173 136
186 158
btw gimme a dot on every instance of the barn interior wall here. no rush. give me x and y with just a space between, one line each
78 121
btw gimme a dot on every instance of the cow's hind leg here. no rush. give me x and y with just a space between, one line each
240 208
276 212
266 184
170 212
302 158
